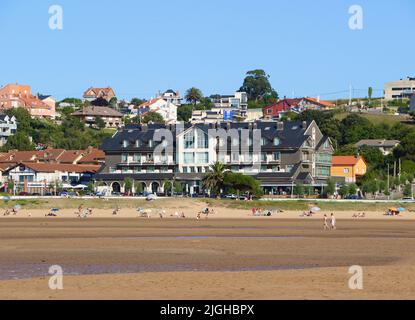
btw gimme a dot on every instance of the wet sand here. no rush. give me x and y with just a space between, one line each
206 259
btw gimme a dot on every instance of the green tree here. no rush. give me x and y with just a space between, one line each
407 191
113 102
330 188
193 95
352 189
214 179
184 113
137 101
369 94
241 183
99 122
153 117
100 102
128 185
205 104
178 187
138 186
299 189
18 141
344 190
257 86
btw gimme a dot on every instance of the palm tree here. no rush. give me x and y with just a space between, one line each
193 95
214 179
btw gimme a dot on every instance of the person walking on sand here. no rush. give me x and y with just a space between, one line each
326 225
333 222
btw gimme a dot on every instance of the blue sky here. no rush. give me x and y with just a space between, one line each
140 47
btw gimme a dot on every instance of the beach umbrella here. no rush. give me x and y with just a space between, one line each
54 210
17 207
401 209
315 209
80 186
393 209
151 197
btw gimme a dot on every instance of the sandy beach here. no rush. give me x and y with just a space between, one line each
170 207
230 255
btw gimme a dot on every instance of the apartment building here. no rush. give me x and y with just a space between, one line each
231 106
278 154
89 115
172 96
20 96
403 88
8 127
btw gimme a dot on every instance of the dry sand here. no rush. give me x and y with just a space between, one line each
218 258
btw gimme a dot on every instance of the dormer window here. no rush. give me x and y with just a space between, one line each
125 143
150 143
137 143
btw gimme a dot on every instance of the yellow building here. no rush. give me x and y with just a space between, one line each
348 167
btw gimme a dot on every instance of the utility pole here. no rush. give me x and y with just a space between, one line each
350 95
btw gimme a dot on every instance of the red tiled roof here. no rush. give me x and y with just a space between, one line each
283 105
19 156
70 156
321 102
149 102
62 167
97 91
94 156
345 160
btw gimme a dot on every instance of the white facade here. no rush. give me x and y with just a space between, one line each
8 127
172 97
166 109
400 89
195 151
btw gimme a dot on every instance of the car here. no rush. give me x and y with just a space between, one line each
407 199
48 194
36 194
231 196
23 193
354 197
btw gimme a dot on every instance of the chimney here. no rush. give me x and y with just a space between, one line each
144 127
255 125
304 124
280 125
228 125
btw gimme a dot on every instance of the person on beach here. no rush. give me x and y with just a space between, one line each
326 225
333 221
115 212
